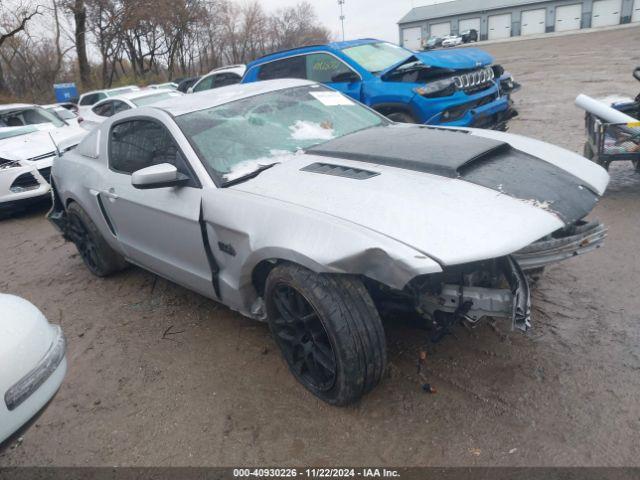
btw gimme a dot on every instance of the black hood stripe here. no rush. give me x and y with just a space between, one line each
486 162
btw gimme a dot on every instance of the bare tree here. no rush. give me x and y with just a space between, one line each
14 22
78 9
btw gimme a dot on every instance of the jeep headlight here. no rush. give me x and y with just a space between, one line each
437 88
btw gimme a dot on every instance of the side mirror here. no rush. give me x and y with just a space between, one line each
346 77
636 73
158 176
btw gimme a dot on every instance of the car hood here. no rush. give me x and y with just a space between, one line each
38 143
463 59
450 195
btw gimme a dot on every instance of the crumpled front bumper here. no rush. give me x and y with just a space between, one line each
577 240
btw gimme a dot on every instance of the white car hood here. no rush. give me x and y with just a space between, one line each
452 220
36 144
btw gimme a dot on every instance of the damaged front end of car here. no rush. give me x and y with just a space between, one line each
468 294
577 239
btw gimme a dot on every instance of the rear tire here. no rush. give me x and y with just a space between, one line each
328 330
97 255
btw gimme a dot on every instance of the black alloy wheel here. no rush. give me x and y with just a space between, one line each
303 339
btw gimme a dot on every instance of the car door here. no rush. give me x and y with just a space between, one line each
159 228
330 70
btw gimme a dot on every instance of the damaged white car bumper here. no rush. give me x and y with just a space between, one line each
22 184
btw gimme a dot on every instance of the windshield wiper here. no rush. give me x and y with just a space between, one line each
249 176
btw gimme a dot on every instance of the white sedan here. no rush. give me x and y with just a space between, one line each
35 351
220 77
104 109
452 41
30 136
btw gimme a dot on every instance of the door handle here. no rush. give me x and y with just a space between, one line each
111 194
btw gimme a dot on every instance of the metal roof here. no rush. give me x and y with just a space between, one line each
459 7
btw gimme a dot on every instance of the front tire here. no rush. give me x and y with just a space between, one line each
328 330
97 255
401 117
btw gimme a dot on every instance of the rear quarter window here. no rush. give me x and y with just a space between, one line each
293 67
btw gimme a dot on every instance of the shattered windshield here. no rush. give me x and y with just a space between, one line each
21 117
238 138
376 57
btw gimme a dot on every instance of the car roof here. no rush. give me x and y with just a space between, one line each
13 106
142 93
228 68
107 90
129 96
312 48
219 96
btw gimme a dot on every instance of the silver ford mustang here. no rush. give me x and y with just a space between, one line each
290 203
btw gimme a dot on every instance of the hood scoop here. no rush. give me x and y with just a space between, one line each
339 171
422 149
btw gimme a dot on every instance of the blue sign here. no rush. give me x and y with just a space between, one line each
65 92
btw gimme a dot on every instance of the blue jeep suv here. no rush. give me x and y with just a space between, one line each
453 88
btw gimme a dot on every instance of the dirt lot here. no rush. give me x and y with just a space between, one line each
217 392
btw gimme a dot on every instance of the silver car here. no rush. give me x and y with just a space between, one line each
292 204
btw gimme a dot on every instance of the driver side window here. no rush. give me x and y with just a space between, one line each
138 144
324 68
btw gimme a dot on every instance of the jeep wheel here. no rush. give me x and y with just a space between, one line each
401 117
328 330
95 252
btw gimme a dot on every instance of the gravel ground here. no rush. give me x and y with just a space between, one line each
216 392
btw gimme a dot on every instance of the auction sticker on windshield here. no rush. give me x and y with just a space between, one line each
331 99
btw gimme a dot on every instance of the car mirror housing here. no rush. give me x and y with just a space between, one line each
158 176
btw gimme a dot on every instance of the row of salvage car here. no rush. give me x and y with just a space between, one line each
294 204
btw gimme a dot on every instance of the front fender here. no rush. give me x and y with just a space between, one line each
259 229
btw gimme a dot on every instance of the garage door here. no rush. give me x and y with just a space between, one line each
635 17
568 17
500 26
533 22
412 38
605 13
440 29
470 24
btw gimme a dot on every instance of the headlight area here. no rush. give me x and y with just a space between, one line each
28 384
465 293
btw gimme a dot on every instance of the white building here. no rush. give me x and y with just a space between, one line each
495 19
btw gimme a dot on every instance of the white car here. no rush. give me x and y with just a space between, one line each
91 98
169 85
30 137
32 354
63 113
220 77
110 106
452 41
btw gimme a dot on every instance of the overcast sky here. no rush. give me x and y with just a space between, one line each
364 18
